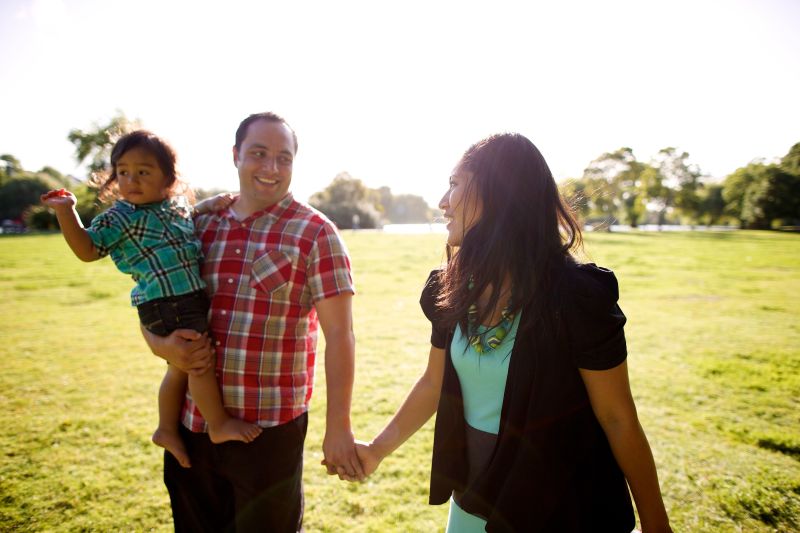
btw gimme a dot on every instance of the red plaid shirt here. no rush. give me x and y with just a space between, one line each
264 274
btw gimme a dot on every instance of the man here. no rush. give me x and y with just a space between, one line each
276 270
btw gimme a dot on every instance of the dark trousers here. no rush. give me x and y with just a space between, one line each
240 487
162 316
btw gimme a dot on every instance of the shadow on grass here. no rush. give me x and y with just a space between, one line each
780 447
771 506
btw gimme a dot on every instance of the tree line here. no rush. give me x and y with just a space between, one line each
615 187
669 189
347 201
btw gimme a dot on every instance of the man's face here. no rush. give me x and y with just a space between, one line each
264 161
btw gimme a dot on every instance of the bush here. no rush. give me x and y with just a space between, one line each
40 217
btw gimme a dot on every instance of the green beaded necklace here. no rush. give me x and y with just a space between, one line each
492 337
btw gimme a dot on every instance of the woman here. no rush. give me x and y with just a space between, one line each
536 428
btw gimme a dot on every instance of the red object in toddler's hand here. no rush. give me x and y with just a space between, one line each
56 193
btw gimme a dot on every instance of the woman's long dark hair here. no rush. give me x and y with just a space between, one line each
525 229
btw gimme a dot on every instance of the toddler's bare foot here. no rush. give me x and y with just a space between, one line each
173 443
233 429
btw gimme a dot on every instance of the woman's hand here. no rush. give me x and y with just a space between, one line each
370 458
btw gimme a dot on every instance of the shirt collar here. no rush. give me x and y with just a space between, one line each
274 212
128 206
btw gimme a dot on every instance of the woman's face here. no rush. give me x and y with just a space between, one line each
461 206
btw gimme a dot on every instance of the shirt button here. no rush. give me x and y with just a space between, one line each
238 251
224 312
230 280
218 343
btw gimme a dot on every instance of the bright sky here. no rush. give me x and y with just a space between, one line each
394 92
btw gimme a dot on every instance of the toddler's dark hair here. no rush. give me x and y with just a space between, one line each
155 145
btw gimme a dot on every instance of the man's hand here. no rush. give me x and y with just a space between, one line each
185 349
214 203
341 458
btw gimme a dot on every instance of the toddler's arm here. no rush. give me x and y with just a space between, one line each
214 203
63 203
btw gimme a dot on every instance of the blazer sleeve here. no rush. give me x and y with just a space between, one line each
428 303
595 323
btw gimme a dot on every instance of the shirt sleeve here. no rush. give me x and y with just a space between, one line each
105 231
329 272
428 303
595 321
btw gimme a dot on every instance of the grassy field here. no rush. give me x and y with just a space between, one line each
714 358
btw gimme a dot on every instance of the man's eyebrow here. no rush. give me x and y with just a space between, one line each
259 146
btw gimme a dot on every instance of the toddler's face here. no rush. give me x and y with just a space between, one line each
140 179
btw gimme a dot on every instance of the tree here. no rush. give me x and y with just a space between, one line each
345 199
760 194
658 195
95 143
55 174
683 177
735 189
10 167
712 204
574 192
20 193
791 161
621 174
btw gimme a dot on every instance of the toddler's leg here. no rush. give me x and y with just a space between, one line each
221 426
170 402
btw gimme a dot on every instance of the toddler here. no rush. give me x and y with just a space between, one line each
150 235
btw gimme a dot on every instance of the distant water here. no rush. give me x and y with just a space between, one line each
437 227
415 228
440 228
665 227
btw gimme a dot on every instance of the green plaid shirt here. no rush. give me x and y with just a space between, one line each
154 243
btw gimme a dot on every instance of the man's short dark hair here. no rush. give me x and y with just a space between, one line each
268 116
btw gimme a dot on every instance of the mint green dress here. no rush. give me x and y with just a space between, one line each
483 383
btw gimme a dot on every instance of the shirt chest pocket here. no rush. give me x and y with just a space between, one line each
271 271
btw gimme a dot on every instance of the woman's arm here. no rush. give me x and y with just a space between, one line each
612 402
420 404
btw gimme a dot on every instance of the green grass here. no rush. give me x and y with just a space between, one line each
714 359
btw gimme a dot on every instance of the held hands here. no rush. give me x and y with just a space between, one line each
340 457
367 455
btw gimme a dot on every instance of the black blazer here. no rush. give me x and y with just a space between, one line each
552 468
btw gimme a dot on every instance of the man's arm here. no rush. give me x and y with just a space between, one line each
214 203
185 349
336 319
